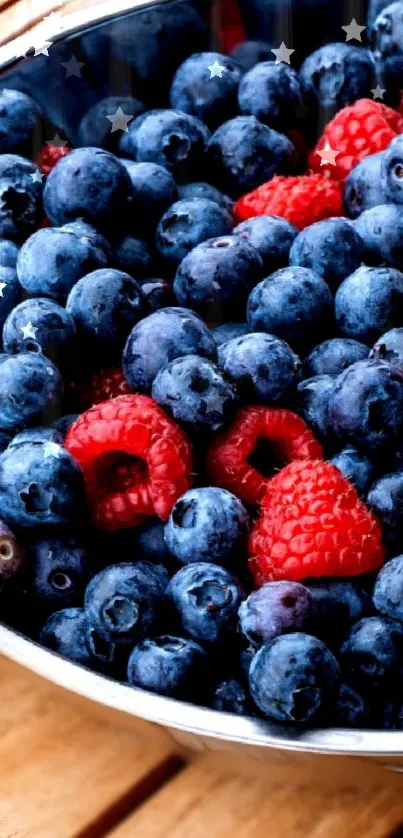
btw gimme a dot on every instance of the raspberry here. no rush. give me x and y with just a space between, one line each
50 155
228 457
228 24
301 200
105 384
136 461
313 523
356 132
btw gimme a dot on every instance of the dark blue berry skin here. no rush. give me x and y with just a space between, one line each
8 254
96 130
186 224
105 305
41 434
52 260
215 278
331 248
272 237
171 666
123 601
334 76
200 189
364 187
150 542
207 525
55 332
392 168
356 467
385 498
19 123
388 590
154 190
170 138
205 599
63 424
133 256
40 486
90 235
369 302
157 293
338 603
293 303
59 572
11 294
333 356
229 331
195 393
272 93
263 367
381 229
197 91
5 439
371 656
351 709
30 391
20 198
67 632
231 696
366 406
295 679
274 609
249 53
312 403
243 153
167 334
375 7
386 42
389 347
88 183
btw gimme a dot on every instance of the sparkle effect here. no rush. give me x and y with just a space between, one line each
57 142
51 449
3 285
328 155
119 120
283 55
73 67
378 92
353 30
29 331
37 176
216 70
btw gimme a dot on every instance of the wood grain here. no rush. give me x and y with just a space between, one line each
18 17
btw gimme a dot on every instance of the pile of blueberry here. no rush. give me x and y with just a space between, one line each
201 399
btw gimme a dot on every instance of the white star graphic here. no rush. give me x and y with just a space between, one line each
378 92
3 285
37 176
57 141
283 54
119 120
328 155
73 67
51 449
43 48
216 70
353 30
29 331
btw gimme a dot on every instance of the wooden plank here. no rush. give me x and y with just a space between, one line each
211 798
63 771
18 17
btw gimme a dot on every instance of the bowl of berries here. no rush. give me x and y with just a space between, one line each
201 371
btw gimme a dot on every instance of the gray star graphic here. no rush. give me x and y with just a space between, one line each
73 67
37 176
57 141
353 30
119 120
29 331
216 69
283 54
378 92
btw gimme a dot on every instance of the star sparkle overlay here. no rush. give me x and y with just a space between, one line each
216 70
51 449
73 67
378 92
283 54
353 30
119 120
3 285
328 155
57 142
29 331
37 177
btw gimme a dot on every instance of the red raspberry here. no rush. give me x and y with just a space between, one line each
313 523
105 384
50 155
136 461
228 457
355 132
302 200
228 24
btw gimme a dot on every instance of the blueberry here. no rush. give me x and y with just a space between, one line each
59 573
200 189
90 235
371 656
388 590
150 542
331 248
206 86
67 632
154 190
63 424
95 129
217 275
389 347
52 260
375 7
351 709
385 498
40 325
293 303
170 138
295 678
386 42
274 609
8 254
41 434
243 153
20 197
195 392
205 600
157 293
381 229
10 292
171 666
11 553
207 524
338 603
188 223
312 402
369 302
105 305
30 390
392 169
364 187
366 406
19 123
229 331
272 93
88 183
133 256
40 485
5 439
123 601
167 334
272 237
356 467
231 696
334 356
334 76
249 53
263 367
